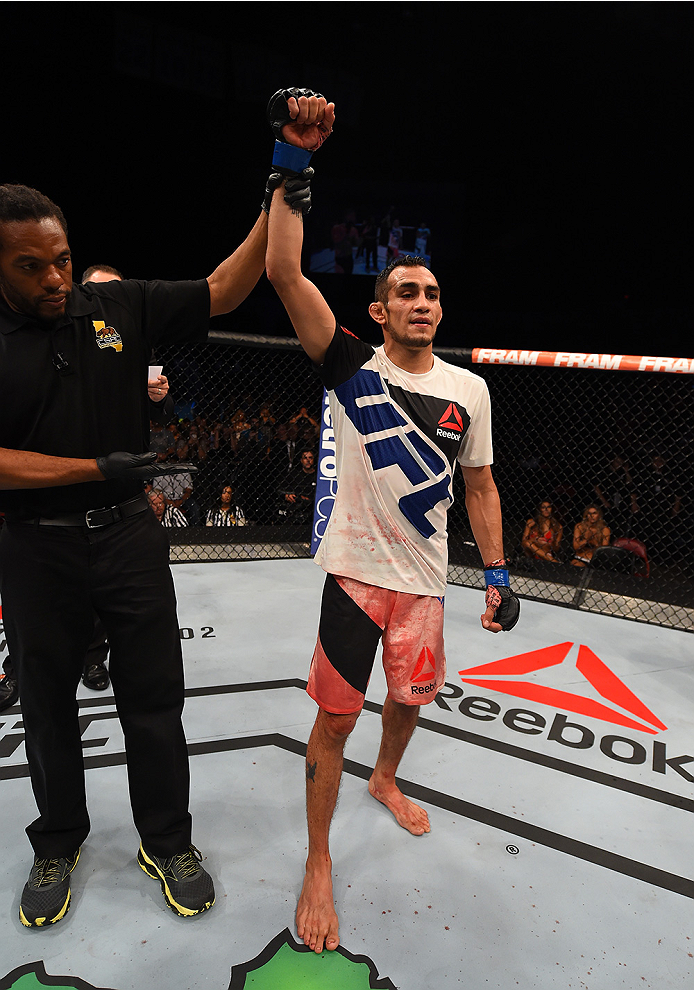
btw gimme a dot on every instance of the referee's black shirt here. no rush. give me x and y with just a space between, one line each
78 387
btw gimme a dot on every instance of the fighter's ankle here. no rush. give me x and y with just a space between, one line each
318 863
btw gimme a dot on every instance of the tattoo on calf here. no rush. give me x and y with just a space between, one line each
311 771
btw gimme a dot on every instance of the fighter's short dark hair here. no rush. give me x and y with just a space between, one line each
403 261
109 269
20 203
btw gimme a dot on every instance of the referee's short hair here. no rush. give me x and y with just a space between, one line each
21 203
109 269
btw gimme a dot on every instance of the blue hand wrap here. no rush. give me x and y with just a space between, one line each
290 157
497 576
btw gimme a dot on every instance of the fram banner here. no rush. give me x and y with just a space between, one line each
326 480
595 362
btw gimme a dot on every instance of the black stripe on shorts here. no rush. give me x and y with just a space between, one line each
348 636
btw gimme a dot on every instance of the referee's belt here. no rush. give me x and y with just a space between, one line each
96 518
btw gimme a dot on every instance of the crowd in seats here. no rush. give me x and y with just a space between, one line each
251 467
638 501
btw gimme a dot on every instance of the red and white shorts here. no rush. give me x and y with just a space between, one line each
354 618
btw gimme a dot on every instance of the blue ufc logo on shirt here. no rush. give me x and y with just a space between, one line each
421 464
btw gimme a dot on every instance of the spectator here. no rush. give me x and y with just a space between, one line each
421 244
168 515
542 534
589 534
369 234
239 428
299 490
161 441
345 238
302 418
226 513
658 504
394 241
177 489
616 493
266 424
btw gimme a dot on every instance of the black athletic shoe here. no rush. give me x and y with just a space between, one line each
9 689
186 887
95 676
46 894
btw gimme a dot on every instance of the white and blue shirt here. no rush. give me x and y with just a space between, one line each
398 437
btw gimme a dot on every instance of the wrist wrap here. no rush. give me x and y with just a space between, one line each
497 576
290 160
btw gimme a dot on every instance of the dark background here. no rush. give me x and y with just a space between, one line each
544 143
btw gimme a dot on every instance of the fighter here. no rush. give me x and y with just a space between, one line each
402 418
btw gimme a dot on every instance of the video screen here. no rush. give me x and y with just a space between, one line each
361 231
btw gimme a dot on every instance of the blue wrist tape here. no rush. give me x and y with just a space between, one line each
497 576
291 157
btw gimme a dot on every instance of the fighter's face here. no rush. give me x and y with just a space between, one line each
413 311
35 268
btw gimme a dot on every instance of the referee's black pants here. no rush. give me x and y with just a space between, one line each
53 578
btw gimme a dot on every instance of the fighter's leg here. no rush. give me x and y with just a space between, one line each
415 666
316 917
340 671
399 723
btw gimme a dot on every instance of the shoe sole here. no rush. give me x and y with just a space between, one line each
152 870
44 922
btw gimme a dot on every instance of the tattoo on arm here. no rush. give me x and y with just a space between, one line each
311 771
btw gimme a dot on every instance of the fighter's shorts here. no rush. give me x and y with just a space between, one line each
354 617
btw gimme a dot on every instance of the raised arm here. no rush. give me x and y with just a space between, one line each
233 280
311 316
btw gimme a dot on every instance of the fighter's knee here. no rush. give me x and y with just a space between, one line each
337 726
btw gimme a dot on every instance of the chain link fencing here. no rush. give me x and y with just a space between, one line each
605 455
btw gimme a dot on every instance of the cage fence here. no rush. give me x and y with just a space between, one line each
605 455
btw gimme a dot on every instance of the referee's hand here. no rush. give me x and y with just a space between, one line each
126 466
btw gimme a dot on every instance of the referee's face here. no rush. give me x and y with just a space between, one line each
35 268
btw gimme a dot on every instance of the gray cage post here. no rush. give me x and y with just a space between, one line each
573 430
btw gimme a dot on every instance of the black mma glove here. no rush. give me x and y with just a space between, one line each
506 605
127 466
288 160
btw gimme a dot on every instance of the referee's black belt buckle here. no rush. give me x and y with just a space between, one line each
98 518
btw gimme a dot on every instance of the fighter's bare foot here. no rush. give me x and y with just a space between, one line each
407 814
316 918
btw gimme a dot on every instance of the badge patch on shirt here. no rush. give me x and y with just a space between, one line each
107 336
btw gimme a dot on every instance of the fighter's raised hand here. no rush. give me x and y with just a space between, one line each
301 117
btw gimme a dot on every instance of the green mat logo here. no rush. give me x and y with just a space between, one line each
285 965
282 965
33 976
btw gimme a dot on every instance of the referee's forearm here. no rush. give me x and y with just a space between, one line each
27 469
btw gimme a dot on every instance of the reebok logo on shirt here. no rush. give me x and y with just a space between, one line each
451 424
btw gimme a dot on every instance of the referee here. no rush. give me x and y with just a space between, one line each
80 537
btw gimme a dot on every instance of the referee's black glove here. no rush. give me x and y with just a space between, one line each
126 466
